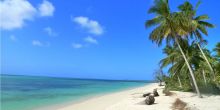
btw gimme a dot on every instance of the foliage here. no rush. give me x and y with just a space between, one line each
159 76
182 31
172 84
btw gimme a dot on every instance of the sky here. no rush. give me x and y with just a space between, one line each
102 39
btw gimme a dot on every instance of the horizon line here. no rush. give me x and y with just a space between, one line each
77 78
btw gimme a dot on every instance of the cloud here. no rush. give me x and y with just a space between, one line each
50 31
92 26
14 13
13 38
46 9
39 43
36 43
77 45
91 40
87 40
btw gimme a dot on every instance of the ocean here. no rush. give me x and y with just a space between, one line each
31 92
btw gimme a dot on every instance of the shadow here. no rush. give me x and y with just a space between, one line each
154 103
143 103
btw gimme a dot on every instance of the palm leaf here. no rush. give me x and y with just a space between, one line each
202 17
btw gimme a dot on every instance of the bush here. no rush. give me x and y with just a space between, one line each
173 84
210 88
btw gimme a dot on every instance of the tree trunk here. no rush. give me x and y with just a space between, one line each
180 82
191 83
203 74
212 71
160 83
190 69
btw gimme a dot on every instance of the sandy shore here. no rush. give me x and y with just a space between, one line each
133 100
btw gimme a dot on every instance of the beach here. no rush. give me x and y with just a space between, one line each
109 55
132 100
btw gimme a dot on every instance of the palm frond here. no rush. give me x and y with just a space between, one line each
202 29
153 22
206 24
202 17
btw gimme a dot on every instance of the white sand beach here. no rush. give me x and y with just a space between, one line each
133 100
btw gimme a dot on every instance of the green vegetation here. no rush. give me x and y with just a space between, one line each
191 67
159 76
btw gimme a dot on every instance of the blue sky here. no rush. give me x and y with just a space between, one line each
84 38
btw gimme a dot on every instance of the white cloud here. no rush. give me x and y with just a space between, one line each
91 40
40 44
13 38
14 13
77 45
37 43
50 31
92 26
46 8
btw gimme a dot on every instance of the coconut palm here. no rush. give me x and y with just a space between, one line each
159 76
175 59
171 27
203 68
199 26
217 65
172 56
217 49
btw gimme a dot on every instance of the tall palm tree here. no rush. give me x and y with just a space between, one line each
217 64
159 76
175 59
172 57
199 26
217 49
171 26
202 68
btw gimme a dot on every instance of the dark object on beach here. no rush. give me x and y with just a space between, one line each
155 93
147 94
167 92
179 105
149 100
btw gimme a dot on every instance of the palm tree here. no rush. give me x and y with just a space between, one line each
199 26
159 76
203 68
175 59
217 64
217 49
170 27
172 57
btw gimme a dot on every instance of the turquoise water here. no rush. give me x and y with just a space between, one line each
29 92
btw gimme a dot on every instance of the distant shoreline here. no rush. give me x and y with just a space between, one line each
75 78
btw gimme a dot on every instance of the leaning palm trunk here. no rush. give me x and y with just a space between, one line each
212 71
190 69
180 82
203 74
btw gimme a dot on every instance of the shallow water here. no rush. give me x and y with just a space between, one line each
29 92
